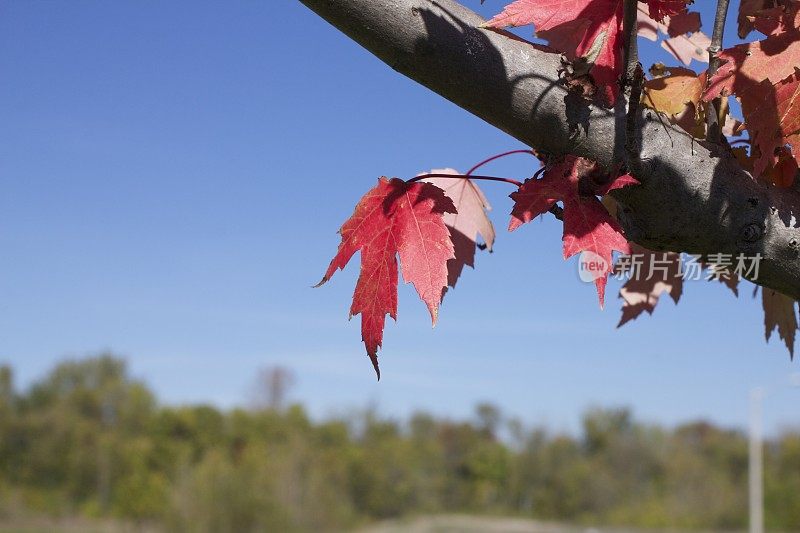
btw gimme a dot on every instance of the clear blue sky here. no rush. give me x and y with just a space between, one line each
172 176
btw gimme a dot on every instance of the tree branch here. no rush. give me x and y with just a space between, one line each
693 198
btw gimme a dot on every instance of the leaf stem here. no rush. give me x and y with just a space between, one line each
498 156
464 177
556 210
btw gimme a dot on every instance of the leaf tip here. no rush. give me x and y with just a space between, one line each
374 358
600 284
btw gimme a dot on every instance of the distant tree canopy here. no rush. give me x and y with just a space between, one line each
89 441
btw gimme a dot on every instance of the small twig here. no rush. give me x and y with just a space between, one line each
634 97
713 113
631 52
634 77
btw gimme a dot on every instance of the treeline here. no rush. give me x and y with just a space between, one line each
87 440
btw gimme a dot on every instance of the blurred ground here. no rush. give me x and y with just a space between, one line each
72 526
467 524
470 524
421 524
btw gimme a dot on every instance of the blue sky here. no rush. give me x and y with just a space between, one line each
172 176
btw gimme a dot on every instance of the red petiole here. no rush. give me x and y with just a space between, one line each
465 176
469 175
498 156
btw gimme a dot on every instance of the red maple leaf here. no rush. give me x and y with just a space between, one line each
464 226
395 217
766 16
748 10
765 77
651 275
588 29
779 313
684 23
666 8
681 45
587 224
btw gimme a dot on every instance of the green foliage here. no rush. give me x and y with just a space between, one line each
88 441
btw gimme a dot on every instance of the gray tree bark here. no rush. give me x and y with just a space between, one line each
694 196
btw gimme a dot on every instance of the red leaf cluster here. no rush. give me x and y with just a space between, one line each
435 237
587 224
432 222
765 76
587 29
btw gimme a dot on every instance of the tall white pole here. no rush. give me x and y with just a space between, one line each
756 470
